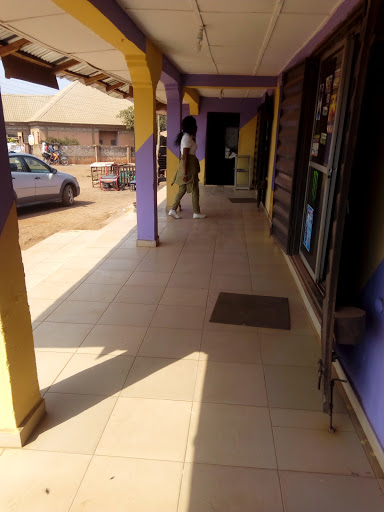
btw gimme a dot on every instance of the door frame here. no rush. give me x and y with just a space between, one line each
365 38
331 169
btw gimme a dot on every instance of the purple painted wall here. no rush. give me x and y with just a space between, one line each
341 13
173 116
364 363
6 187
228 81
146 191
246 107
185 110
362 264
170 73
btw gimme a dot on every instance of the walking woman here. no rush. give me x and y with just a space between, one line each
187 175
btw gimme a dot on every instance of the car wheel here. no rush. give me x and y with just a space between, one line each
68 196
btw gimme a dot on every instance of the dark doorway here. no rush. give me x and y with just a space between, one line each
222 146
363 229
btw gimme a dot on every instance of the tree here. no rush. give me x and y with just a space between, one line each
128 117
163 122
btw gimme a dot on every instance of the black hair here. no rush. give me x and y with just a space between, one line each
189 126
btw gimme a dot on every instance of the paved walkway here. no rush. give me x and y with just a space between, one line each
152 408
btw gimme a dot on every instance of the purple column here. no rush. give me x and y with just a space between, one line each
146 193
185 110
174 100
6 187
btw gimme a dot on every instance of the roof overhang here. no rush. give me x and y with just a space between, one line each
206 44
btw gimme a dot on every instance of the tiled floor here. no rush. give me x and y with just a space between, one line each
152 408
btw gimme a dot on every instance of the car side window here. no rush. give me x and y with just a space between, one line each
36 165
17 164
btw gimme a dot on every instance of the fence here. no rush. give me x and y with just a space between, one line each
89 154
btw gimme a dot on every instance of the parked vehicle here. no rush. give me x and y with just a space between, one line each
36 182
53 156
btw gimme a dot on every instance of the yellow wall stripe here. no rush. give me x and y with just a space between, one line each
192 97
269 196
247 137
91 17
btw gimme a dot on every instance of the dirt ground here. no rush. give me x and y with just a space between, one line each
93 209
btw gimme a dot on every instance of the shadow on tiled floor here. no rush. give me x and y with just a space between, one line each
153 408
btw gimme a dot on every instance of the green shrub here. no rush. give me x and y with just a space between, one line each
62 142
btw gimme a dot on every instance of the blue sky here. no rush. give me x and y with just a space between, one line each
13 86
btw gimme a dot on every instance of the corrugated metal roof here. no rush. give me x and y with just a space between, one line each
6 34
83 69
54 58
49 56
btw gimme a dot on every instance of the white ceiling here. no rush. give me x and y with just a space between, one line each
247 37
212 92
242 37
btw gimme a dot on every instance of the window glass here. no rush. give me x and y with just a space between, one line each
36 165
17 164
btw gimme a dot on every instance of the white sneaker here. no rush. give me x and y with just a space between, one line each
199 215
173 214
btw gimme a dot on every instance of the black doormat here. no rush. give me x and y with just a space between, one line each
242 199
252 310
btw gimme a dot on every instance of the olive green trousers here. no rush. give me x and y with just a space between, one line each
192 186
195 196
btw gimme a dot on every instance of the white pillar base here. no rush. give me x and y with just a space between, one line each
147 243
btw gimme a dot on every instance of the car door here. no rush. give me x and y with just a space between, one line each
23 181
47 183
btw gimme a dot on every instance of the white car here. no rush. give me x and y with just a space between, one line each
37 182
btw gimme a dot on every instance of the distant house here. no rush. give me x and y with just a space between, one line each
76 112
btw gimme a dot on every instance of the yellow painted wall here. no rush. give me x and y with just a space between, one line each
191 96
269 195
247 137
202 171
19 387
145 73
91 17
